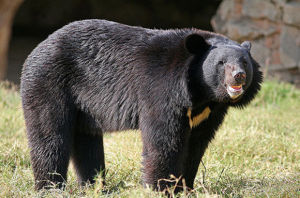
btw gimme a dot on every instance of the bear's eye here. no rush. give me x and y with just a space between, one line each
221 62
245 64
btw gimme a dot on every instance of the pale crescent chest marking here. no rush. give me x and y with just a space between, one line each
197 119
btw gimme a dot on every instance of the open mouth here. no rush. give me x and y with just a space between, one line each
235 91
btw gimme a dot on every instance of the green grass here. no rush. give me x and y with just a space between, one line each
256 153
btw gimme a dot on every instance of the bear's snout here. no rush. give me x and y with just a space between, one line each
235 78
239 76
234 75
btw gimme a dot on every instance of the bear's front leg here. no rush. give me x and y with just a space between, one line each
164 150
199 139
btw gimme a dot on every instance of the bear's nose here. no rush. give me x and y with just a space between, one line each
239 77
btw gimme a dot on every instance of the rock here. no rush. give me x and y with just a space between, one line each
223 14
241 30
260 9
290 47
291 13
275 58
279 3
246 29
225 9
273 26
272 42
260 52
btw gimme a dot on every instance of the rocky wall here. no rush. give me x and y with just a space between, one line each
273 26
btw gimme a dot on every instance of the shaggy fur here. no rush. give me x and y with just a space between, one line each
96 76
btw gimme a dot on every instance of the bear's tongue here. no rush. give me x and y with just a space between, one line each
235 91
237 87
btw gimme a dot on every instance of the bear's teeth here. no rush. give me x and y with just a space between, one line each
234 91
235 88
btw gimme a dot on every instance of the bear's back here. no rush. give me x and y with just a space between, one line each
97 63
108 68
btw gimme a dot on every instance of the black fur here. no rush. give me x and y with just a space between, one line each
95 76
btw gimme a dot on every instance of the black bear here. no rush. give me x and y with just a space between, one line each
96 76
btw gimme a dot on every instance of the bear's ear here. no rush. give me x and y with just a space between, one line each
196 44
246 45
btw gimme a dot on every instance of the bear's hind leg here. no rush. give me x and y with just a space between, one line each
49 131
87 151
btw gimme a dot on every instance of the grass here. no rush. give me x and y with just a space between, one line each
256 153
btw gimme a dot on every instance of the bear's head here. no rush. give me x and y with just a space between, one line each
223 69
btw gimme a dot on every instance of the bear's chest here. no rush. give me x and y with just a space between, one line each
197 117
